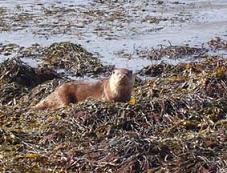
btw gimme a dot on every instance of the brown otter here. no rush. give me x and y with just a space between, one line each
117 88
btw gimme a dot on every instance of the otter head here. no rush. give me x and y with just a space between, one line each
121 78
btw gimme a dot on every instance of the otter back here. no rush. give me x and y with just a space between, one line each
117 88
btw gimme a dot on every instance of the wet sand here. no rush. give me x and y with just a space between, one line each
113 29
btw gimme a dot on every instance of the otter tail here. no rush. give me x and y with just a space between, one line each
51 102
41 105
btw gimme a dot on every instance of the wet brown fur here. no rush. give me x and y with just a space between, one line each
117 88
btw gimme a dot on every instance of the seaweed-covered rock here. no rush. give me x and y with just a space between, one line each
14 70
216 85
17 79
109 137
173 52
11 92
218 43
176 124
71 57
160 69
8 49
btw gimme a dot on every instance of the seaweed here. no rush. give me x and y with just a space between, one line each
172 52
17 78
14 70
218 43
72 57
176 123
176 120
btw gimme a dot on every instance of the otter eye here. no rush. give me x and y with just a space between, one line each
130 72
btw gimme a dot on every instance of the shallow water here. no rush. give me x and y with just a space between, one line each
110 28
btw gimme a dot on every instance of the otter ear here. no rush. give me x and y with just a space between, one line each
130 72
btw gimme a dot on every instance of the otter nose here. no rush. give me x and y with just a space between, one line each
123 76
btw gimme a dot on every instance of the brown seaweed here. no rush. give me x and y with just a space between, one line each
72 57
172 52
175 122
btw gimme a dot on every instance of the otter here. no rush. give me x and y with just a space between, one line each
117 88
